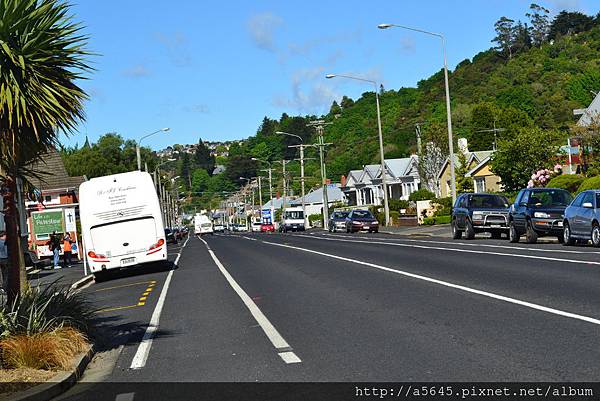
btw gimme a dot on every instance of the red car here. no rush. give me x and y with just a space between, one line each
267 228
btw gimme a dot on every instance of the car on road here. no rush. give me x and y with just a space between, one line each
256 226
219 228
582 219
538 212
478 213
292 219
267 228
170 236
337 221
178 233
361 220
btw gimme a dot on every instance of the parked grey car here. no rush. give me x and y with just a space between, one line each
582 219
337 221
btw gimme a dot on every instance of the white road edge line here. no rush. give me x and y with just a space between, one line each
282 347
439 248
448 284
141 355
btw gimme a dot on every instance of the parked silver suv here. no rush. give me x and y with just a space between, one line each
582 219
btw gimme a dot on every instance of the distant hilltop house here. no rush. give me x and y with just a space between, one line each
219 148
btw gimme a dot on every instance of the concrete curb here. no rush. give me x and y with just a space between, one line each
80 283
59 383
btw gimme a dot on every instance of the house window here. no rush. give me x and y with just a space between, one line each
479 184
47 198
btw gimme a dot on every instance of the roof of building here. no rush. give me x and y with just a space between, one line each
399 167
477 157
334 194
53 173
591 113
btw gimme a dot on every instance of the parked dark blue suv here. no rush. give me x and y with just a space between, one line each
473 213
538 212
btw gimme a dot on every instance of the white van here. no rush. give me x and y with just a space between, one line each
292 219
202 225
121 221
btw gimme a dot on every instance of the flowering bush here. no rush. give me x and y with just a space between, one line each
541 177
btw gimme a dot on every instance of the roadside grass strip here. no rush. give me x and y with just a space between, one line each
446 284
284 350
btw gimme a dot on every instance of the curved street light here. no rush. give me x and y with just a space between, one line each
447 87
137 145
386 206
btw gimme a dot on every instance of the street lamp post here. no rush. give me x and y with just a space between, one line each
448 108
137 146
157 180
301 146
386 206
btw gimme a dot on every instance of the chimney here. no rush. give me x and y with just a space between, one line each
463 145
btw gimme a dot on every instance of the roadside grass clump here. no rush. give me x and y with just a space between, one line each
53 350
45 328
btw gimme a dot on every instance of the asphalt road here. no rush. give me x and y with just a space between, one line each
351 308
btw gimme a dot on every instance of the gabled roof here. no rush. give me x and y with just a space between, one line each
478 167
476 157
399 167
353 175
591 113
370 171
334 194
53 173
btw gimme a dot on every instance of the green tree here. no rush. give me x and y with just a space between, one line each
518 157
185 170
203 158
505 35
335 109
540 23
463 183
42 57
566 23
200 180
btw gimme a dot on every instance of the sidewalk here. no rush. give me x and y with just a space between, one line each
440 230
65 276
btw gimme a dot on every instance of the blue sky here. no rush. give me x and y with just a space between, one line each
214 69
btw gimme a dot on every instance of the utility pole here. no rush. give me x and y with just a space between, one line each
301 147
260 198
418 132
320 128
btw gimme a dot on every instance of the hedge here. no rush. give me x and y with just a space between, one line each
430 221
420 195
569 182
590 183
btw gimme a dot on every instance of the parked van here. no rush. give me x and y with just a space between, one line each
121 222
202 225
292 219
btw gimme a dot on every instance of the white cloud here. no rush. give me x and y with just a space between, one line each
176 44
137 71
560 5
197 108
261 28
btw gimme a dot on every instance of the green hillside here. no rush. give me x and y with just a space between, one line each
538 85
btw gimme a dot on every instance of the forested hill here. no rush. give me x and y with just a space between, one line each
536 74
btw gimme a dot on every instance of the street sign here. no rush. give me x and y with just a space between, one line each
70 222
47 222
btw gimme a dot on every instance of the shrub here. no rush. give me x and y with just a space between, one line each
43 310
397 204
569 182
48 350
313 218
444 206
589 183
420 195
429 221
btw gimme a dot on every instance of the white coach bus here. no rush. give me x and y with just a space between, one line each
121 222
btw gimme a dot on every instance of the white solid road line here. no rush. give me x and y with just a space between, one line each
125 397
282 347
447 284
472 244
441 248
141 355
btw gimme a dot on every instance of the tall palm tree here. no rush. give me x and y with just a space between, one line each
42 55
